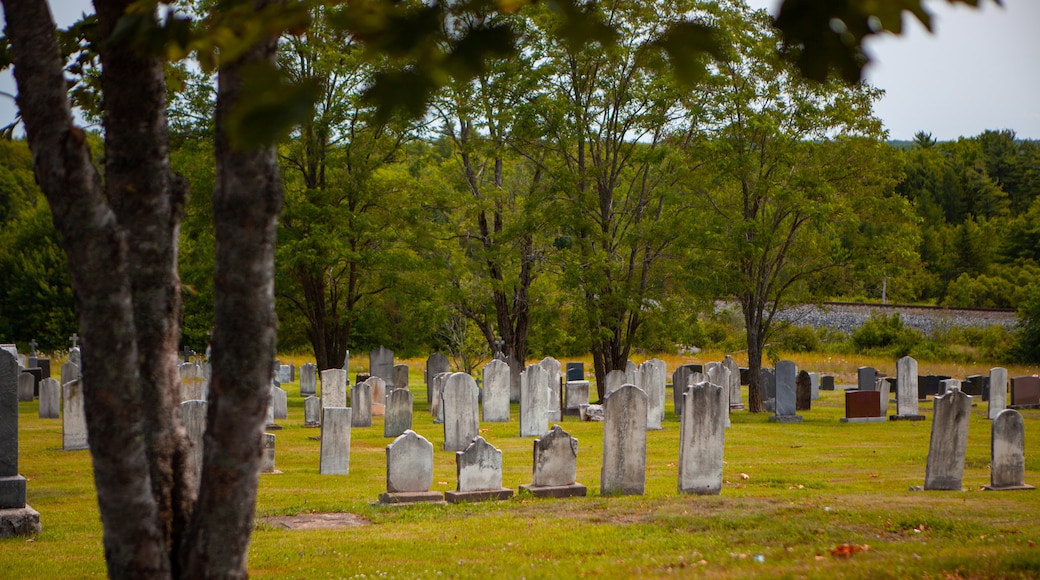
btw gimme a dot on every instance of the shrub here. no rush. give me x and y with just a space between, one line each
887 333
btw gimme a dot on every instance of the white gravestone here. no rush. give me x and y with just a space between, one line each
399 405
333 388
496 392
624 442
555 403
701 439
534 401
461 411
335 441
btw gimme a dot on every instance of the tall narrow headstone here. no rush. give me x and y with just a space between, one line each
361 405
378 393
333 388
786 373
998 379
803 392
496 392
311 411
409 470
814 386
630 372
16 518
398 412
701 438
478 471
735 401
614 381
461 411
718 374
346 362
534 401
437 404
767 384
949 441
555 468
193 415
624 442
50 399
381 364
335 441
907 391
285 374
26 387
554 409
73 417
69 372
650 377
308 379
1008 452
680 380
400 377
281 403
267 454
436 364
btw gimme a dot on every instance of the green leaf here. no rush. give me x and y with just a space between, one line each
269 108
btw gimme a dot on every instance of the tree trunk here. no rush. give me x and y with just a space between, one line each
755 343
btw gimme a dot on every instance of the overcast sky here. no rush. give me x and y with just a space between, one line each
979 70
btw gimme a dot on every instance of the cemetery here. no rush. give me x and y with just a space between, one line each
858 480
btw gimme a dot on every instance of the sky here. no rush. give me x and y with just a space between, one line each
979 70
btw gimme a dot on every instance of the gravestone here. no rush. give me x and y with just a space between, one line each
309 379
192 382
555 467
908 392
461 411
16 517
650 377
885 391
735 401
381 364
862 407
334 456
400 377
437 406
193 416
576 394
75 355
37 374
614 380
701 438
624 442
496 392
1008 452
630 372
949 441
866 378
267 454
378 393
827 383
680 380
575 371
346 362
312 412
285 373
997 391
399 405
478 470
73 417
436 364
281 403
333 388
803 392
26 387
767 382
409 470
1025 392
555 402
786 373
719 374
814 386
50 399
361 405
929 385
975 385
270 424
534 401
947 385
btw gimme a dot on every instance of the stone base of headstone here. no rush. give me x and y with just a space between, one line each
23 521
312 425
785 419
906 417
477 496
1017 407
410 497
556 491
272 427
863 419
736 406
12 491
1023 487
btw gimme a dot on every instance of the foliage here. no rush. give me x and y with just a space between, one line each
1028 328
888 333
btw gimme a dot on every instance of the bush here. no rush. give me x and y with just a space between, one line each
798 339
886 333
1027 331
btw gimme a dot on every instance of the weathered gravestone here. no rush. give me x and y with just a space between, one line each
735 401
997 391
335 441
286 373
650 376
786 373
680 381
814 386
461 411
534 401
333 388
280 399
949 441
346 362
554 404
399 405
50 399
630 372
400 377
311 411
803 392
361 405
1008 453
267 454
862 407
437 405
409 471
16 518
719 374
555 468
26 387
75 355
69 372
436 364
381 364
478 471
907 391
767 384
496 392
193 415
614 380
73 417
309 379
576 394
701 438
624 442
1025 392
378 389
271 425
947 385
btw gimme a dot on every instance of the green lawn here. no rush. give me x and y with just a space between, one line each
794 494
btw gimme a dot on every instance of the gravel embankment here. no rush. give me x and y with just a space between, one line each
848 317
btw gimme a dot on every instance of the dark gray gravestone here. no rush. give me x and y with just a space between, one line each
702 433
866 378
624 442
767 384
398 412
400 373
827 383
976 386
555 467
575 371
680 381
16 518
949 441
1008 464
786 405
26 387
803 391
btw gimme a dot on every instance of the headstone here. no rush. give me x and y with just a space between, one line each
767 382
555 468
624 442
281 403
409 470
975 385
193 416
803 392
827 383
786 373
680 380
361 405
862 407
496 392
866 378
50 399
399 405
929 385
1025 392
381 364
997 391
333 388
555 402
614 380
285 373
346 362
437 406
267 454
436 364
650 377
814 386
270 424
479 474
359 378
702 434
26 387
949 441
735 401
534 401
400 373
308 379
75 355
311 411
575 371
16 518
576 394
907 391
885 391
719 374
630 372
1008 452
947 385
378 394
73 417
335 441
461 411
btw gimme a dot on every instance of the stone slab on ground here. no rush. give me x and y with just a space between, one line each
410 497
480 495
23 521
556 491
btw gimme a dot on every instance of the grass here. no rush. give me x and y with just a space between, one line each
793 494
